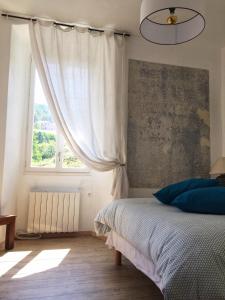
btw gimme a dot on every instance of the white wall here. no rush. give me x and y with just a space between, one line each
223 98
95 187
92 194
17 92
5 37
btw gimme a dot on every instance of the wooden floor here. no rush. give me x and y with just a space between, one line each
73 268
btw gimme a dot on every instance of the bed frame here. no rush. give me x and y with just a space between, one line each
118 258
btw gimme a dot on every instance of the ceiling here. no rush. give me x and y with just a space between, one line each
120 14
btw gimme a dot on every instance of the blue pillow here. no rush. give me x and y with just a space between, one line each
204 200
169 193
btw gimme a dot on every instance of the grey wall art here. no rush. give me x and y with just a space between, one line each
168 124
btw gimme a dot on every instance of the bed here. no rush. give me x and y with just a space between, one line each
183 253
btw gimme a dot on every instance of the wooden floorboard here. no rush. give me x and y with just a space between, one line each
79 268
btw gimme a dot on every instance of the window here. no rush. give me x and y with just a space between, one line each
47 148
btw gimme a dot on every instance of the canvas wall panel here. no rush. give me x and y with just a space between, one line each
168 124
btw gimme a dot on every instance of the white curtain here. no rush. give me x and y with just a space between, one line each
83 75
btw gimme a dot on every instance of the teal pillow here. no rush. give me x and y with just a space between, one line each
169 193
204 200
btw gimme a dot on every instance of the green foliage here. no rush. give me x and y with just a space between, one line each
69 160
44 148
44 141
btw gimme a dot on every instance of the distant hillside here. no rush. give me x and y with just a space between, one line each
42 113
42 117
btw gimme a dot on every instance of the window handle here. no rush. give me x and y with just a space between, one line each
59 156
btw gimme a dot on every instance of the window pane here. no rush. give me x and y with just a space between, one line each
69 159
44 131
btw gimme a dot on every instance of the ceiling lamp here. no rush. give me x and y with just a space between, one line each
171 22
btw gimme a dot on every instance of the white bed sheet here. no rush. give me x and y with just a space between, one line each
142 263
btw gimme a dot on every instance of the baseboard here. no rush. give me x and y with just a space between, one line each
71 235
65 234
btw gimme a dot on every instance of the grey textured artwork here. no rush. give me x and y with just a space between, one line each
168 124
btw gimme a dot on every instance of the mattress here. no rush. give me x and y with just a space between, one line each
187 250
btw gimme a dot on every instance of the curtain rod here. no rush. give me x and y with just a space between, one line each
9 15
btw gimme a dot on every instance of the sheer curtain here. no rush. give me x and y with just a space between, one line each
83 75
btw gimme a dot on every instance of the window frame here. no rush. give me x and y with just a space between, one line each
58 169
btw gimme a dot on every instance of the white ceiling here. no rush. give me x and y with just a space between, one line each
120 14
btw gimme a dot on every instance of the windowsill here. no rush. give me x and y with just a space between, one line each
78 172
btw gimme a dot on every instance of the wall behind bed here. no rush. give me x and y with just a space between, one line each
168 124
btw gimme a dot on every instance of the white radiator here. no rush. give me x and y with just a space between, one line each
52 212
